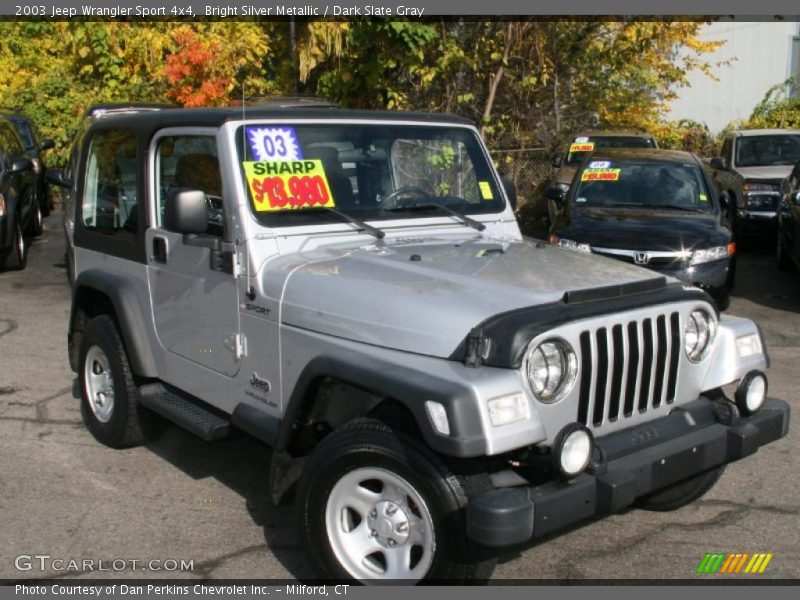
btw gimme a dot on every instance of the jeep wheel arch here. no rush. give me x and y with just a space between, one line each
403 385
97 292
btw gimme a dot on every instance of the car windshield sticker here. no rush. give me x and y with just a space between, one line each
581 147
581 139
599 164
600 175
486 190
287 185
580 199
274 143
703 198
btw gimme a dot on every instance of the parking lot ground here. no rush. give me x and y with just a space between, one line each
64 495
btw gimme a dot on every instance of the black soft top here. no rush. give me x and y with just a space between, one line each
151 120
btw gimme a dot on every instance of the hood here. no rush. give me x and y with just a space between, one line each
775 173
425 295
645 229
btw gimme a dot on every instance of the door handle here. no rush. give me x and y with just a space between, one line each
159 249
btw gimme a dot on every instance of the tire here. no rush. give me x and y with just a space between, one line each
682 493
785 262
36 227
109 393
378 487
16 256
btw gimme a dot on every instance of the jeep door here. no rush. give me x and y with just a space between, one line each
194 294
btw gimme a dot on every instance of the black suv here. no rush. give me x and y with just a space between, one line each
34 148
19 212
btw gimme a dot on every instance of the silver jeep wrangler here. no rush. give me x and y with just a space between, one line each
352 289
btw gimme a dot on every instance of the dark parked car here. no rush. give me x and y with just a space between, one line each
788 245
655 208
20 214
580 146
34 147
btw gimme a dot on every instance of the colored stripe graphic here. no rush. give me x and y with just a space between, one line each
730 563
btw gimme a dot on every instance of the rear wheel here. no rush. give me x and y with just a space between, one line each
16 256
376 505
682 493
36 227
110 396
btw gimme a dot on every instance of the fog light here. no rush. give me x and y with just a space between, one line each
508 409
751 393
572 450
438 416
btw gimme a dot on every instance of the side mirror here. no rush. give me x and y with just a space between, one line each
56 177
556 160
186 211
18 165
718 162
511 191
559 195
796 197
47 144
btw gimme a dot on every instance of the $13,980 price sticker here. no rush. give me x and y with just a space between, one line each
288 184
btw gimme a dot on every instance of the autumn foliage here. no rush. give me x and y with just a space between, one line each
194 75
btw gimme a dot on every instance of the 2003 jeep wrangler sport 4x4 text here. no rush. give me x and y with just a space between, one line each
352 289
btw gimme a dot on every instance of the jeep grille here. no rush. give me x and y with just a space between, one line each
627 368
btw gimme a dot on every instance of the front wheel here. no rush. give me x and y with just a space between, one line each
36 226
377 506
682 493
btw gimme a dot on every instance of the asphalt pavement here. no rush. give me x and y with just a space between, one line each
65 496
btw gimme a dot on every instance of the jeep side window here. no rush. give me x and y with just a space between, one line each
189 162
110 196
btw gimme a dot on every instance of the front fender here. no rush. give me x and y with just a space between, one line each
727 365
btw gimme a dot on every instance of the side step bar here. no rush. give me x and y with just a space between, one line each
190 415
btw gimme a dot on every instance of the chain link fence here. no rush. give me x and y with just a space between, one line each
529 169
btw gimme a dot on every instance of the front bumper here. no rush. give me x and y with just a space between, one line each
710 276
637 461
755 223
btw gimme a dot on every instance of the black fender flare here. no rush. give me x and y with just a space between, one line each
121 290
409 386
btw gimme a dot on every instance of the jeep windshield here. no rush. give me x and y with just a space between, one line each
368 171
767 150
642 185
581 146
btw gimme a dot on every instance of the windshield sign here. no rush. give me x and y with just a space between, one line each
366 171
767 150
581 146
609 184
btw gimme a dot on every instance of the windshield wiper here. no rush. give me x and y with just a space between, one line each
429 205
374 231
674 207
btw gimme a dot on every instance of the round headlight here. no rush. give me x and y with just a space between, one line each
700 331
551 368
572 450
751 393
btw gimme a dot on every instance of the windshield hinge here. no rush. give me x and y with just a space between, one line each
477 348
240 345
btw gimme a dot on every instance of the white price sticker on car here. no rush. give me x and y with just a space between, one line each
274 143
